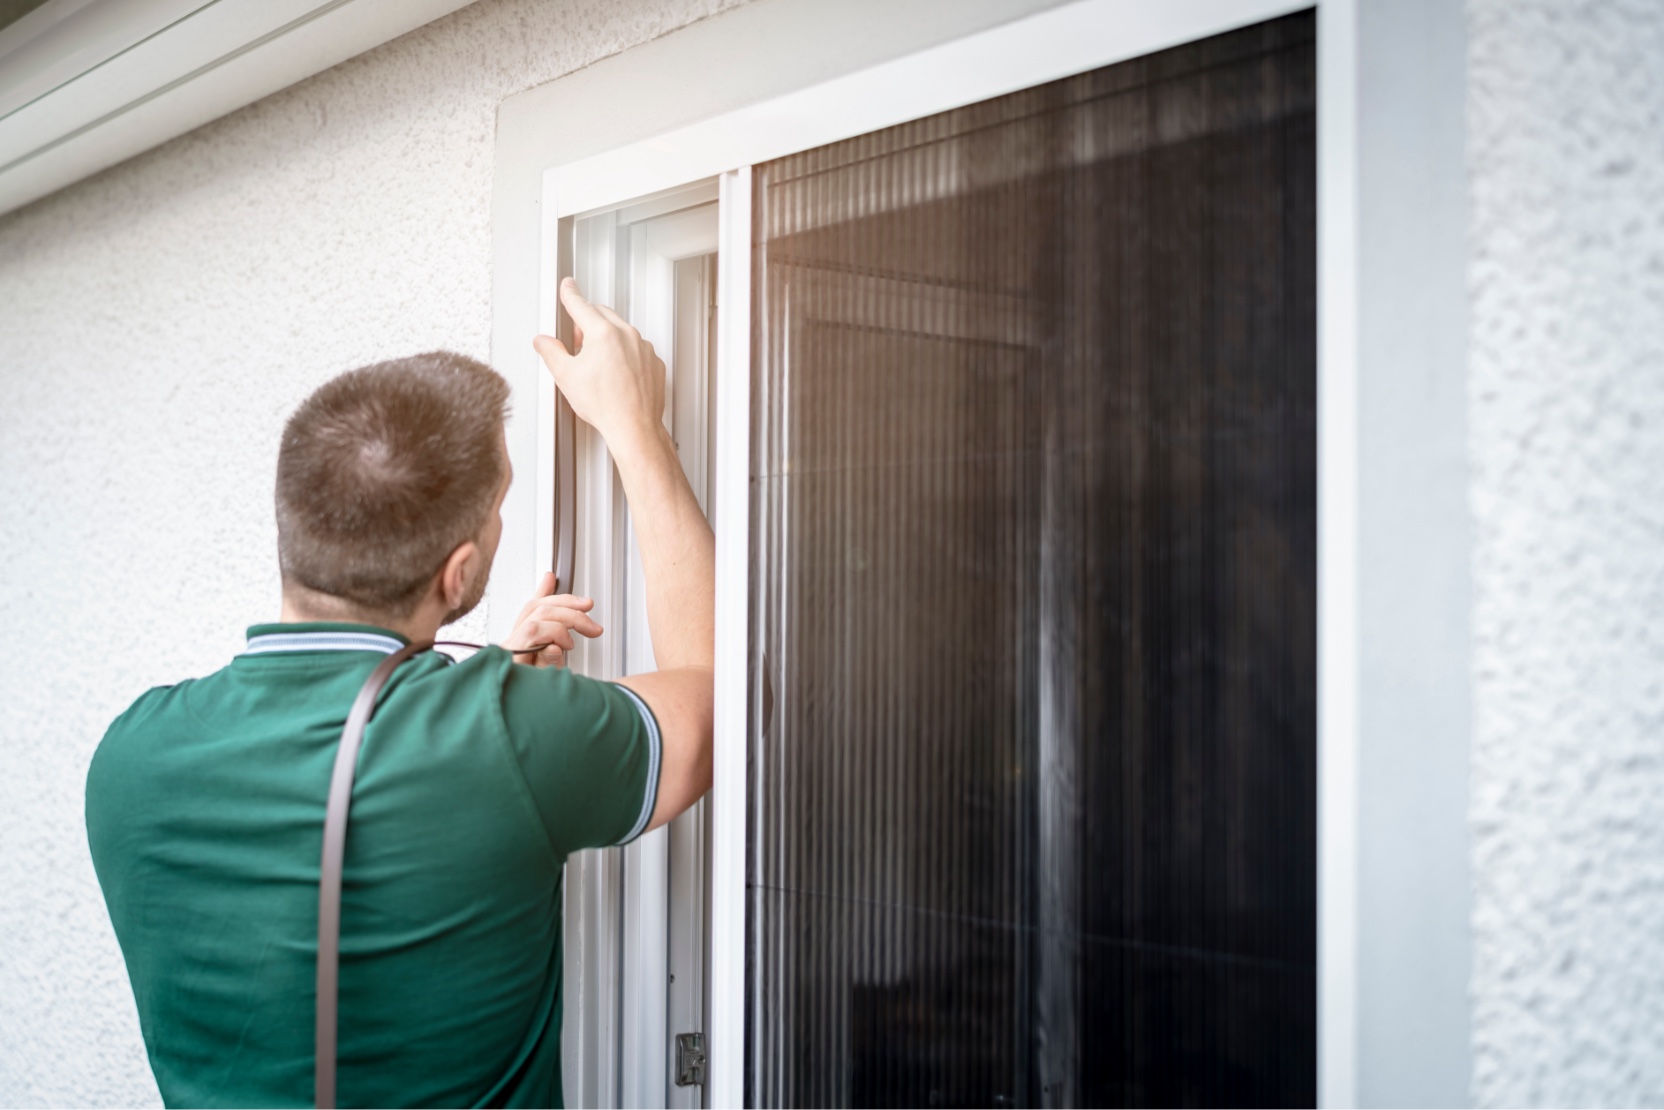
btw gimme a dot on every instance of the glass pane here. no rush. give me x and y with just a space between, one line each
1034 679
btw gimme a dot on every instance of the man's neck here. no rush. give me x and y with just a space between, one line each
419 627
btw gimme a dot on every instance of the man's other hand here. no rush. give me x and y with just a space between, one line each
614 381
543 632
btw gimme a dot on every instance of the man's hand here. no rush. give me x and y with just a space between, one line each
614 382
549 619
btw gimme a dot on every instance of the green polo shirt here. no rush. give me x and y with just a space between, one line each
205 809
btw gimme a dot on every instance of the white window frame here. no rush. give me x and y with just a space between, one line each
1393 719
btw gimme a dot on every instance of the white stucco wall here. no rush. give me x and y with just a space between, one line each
157 323
1566 156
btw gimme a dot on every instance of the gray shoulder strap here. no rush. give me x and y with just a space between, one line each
329 875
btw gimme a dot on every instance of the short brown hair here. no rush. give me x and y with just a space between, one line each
383 472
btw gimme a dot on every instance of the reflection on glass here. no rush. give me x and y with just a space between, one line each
1033 718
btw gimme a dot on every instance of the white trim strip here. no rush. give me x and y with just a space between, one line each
655 744
321 641
731 492
1337 555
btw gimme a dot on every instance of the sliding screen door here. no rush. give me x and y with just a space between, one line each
1032 743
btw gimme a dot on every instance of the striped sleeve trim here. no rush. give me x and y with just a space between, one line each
655 745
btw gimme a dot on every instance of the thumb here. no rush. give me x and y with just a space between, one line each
545 584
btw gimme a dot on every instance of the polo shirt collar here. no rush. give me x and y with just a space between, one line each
266 639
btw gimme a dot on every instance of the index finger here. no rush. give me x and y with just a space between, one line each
584 315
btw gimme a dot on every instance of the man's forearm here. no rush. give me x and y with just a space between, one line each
678 553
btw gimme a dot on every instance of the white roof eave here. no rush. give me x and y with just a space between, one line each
85 84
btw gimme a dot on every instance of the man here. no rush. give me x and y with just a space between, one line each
205 800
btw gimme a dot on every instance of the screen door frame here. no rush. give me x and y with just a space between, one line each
1392 1007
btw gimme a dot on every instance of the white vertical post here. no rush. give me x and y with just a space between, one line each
695 297
1396 873
1337 555
648 301
594 879
643 1061
732 450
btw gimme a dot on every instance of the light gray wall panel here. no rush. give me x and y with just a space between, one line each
1414 589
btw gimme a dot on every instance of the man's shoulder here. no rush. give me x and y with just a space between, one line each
529 706
122 763
147 710
156 712
557 705
590 752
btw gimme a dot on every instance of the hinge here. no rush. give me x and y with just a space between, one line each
690 1059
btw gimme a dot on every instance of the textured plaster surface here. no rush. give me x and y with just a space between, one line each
1566 157
157 324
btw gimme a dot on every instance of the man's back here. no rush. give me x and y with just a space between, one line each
205 807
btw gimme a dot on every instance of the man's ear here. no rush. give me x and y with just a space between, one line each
457 572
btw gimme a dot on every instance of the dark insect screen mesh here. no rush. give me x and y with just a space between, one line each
1032 743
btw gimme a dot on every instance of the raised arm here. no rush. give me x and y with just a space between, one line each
616 383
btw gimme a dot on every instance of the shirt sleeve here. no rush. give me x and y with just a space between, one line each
590 752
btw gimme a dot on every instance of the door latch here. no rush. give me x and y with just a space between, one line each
690 1059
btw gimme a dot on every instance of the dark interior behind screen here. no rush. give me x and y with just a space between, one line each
1032 750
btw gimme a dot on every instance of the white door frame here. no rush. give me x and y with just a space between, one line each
1392 616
